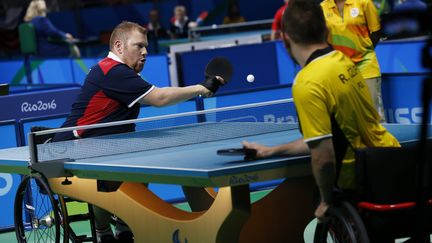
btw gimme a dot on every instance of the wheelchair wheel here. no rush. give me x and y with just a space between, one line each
355 221
37 216
344 225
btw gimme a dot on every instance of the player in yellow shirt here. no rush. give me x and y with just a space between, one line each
332 100
355 30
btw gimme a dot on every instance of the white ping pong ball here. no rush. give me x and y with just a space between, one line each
250 78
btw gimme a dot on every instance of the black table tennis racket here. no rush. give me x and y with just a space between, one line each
219 66
246 152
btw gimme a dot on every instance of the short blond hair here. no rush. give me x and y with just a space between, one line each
122 30
35 8
180 8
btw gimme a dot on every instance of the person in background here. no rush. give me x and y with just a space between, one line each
277 22
333 103
233 15
51 42
180 23
355 30
155 31
154 27
113 91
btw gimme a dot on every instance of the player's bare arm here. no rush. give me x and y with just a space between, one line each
165 96
324 171
160 97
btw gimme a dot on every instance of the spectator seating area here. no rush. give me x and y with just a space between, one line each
77 18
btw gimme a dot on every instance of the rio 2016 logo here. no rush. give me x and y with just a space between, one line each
8 185
38 106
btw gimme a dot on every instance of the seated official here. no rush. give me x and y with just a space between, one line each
51 42
180 23
154 26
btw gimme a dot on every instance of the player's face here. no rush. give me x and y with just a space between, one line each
135 51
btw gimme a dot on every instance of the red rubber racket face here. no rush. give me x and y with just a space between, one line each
219 66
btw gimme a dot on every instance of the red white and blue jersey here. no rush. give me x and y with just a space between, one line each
110 93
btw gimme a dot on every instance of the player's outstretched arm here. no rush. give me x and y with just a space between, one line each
160 97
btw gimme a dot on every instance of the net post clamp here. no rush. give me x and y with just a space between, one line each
52 168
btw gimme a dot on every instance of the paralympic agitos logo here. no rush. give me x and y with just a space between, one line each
175 237
5 186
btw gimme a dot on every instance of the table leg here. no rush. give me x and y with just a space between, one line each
283 214
199 198
153 220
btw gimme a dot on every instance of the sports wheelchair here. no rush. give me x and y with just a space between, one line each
41 216
383 206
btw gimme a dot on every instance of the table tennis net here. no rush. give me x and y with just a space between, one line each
175 130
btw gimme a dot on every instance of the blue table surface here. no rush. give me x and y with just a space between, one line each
193 160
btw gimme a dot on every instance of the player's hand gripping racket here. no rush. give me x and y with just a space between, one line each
218 66
248 153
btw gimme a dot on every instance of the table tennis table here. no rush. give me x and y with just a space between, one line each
187 156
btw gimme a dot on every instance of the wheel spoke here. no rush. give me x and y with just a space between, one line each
36 203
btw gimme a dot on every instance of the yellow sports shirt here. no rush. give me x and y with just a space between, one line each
350 33
330 95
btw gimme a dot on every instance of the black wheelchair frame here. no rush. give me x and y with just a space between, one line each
42 216
383 206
